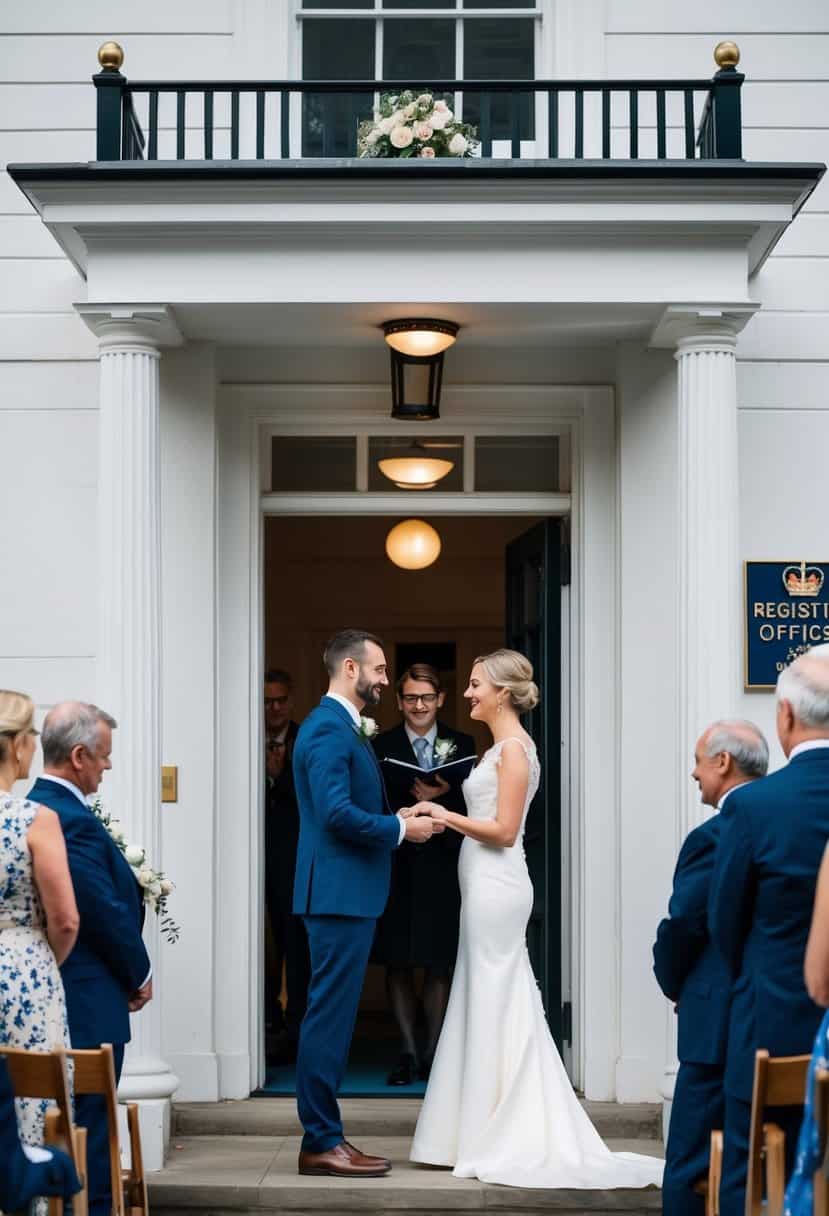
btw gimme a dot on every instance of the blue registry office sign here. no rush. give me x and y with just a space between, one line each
787 612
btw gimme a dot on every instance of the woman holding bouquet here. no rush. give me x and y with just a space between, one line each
420 925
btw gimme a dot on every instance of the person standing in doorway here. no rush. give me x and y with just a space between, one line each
692 973
281 839
420 925
347 834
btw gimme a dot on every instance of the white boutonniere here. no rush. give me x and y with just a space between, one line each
445 749
154 884
368 728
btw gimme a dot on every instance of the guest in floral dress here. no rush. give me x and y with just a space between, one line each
38 913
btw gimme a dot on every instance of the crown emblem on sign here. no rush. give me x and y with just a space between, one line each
803 579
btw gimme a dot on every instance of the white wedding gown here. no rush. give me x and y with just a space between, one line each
499 1105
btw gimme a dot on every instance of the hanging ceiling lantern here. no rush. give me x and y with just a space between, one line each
416 471
416 346
413 544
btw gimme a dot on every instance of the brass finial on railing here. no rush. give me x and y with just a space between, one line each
111 56
726 55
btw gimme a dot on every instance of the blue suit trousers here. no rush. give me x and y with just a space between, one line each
697 1109
91 1113
340 947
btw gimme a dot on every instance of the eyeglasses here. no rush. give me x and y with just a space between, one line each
411 699
276 701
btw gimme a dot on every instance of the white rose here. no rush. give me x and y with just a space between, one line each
401 137
155 889
427 153
410 110
441 106
145 876
425 99
166 886
385 125
397 118
134 854
458 144
441 118
372 137
422 131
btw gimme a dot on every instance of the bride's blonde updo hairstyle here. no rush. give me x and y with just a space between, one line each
17 716
510 670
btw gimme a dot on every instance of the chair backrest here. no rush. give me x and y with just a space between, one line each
821 1114
39 1074
778 1081
94 1073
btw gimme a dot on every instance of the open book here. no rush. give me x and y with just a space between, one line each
400 775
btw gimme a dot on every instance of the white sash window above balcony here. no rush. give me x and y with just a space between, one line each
418 43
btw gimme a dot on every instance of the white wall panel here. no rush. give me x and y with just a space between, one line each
49 386
762 385
45 336
785 335
49 680
49 491
39 285
792 285
716 18
118 17
60 58
24 236
776 56
808 236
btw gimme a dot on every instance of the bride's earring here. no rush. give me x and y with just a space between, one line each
498 710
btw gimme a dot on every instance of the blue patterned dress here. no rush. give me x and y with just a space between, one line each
32 1003
800 1188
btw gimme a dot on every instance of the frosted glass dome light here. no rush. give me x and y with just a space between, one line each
413 544
420 337
415 472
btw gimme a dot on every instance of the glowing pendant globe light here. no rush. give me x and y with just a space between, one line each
417 471
413 544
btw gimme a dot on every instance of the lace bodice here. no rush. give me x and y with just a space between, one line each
19 902
480 790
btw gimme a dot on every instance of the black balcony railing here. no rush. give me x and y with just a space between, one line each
289 119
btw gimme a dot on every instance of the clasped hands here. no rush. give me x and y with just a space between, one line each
424 820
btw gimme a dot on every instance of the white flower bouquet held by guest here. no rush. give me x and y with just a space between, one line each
155 885
38 913
415 124
499 1106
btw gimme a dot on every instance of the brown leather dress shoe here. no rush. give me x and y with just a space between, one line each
343 1161
356 1155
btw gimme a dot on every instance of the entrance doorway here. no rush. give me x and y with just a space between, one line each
497 581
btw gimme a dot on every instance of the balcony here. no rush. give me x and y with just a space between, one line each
232 121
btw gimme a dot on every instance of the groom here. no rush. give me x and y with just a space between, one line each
346 838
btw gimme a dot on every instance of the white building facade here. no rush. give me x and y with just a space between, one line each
164 320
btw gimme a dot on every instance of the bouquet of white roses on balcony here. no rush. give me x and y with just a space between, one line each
415 124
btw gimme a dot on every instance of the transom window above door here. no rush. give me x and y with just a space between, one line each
417 43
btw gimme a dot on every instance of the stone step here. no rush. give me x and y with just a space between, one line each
226 1175
380 1117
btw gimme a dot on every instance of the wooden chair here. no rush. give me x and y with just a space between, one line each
821 1112
709 1187
779 1081
95 1074
44 1074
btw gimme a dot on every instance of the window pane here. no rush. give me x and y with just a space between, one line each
444 4
500 49
338 3
418 52
309 464
338 49
392 448
516 463
500 3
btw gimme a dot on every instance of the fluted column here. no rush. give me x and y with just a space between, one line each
129 642
708 633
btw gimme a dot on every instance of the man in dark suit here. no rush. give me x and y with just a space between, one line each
692 973
108 974
347 834
419 927
772 840
281 839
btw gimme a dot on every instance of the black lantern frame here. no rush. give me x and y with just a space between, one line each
410 375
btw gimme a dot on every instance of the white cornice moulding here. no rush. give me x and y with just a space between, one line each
703 323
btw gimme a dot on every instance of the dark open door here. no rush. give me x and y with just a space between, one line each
535 569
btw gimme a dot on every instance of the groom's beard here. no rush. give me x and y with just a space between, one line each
368 693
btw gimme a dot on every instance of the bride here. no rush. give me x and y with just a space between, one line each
499 1105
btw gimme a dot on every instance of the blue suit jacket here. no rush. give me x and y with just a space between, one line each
688 968
773 835
109 961
346 831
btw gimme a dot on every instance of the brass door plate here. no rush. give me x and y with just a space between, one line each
169 783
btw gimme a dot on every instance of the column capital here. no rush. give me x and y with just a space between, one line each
132 327
694 327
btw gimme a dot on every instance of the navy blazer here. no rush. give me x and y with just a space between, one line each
688 968
109 961
20 1179
773 835
347 832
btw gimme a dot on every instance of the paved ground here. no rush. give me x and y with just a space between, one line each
233 1173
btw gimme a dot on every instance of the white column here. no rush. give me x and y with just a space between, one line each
709 641
129 642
